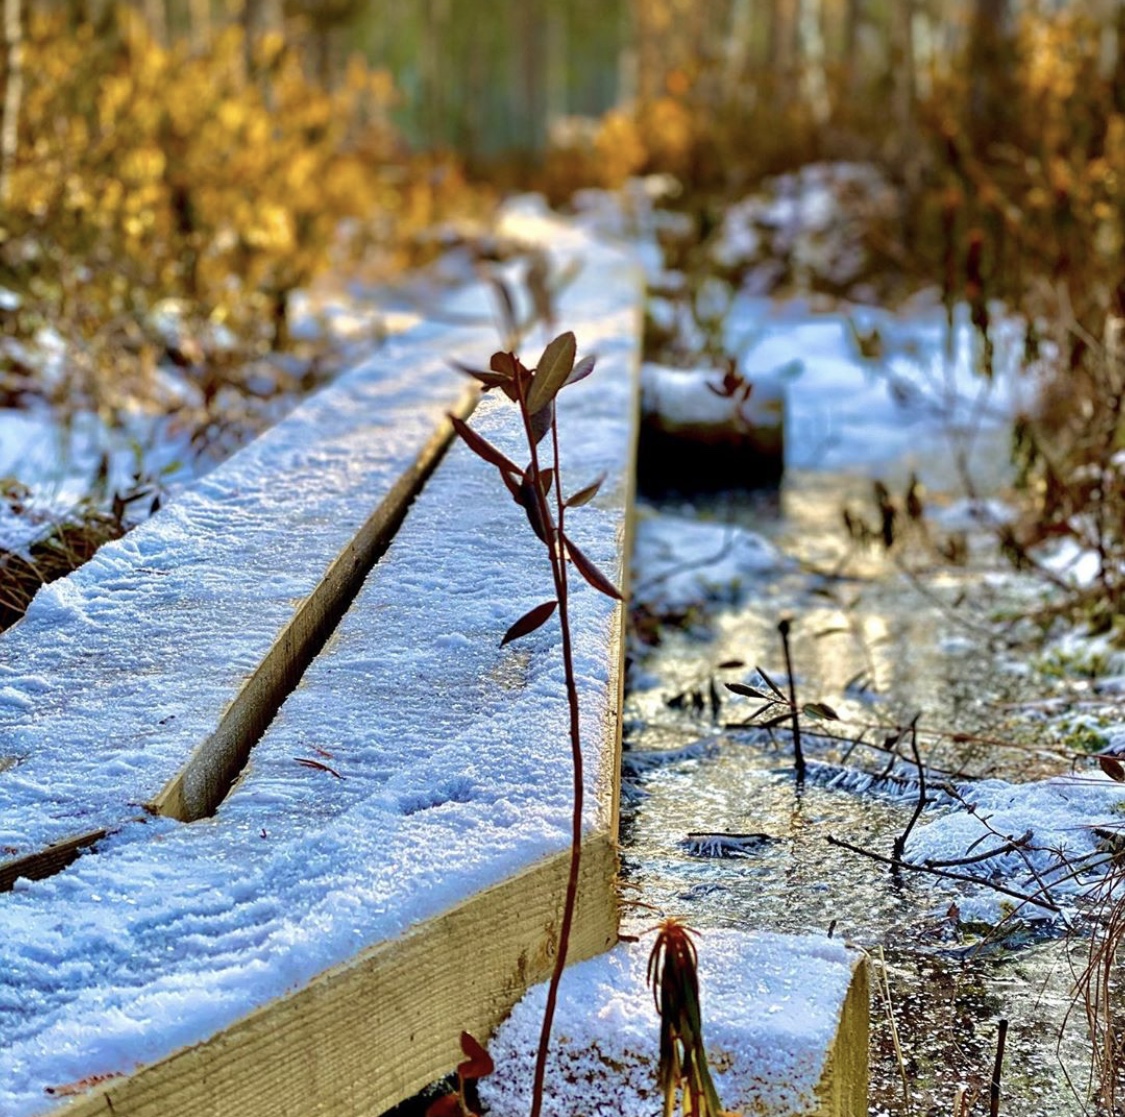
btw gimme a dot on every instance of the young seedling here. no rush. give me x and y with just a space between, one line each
776 701
534 392
673 973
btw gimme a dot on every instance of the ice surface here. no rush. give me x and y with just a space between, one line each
453 752
771 1006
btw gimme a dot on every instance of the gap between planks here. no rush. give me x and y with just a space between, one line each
208 774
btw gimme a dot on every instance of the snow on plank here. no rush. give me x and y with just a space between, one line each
785 1027
322 940
182 637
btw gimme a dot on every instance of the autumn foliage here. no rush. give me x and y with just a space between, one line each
150 179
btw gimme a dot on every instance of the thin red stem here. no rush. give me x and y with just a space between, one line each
556 551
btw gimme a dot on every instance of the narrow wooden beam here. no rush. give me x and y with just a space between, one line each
46 862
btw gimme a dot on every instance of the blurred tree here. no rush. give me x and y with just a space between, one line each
199 14
13 94
784 48
992 68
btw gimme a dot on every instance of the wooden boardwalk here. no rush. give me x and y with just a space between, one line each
332 813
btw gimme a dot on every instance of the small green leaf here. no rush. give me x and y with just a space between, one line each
554 367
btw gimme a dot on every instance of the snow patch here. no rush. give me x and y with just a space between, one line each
679 562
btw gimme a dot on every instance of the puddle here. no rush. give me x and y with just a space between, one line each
879 645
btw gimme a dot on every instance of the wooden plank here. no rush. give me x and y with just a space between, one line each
47 862
426 676
363 1036
206 778
842 1091
261 600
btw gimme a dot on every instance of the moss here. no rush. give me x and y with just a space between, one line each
1085 738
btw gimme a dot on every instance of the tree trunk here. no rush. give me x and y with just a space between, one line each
991 65
13 95
1119 66
853 19
815 78
258 17
738 47
200 16
783 48
156 19
902 68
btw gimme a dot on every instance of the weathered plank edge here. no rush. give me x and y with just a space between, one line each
365 1035
843 1087
46 862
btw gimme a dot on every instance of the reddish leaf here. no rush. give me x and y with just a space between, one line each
541 422
447 1106
529 499
482 447
488 379
513 483
478 1062
581 370
529 622
584 496
512 369
507 364
554 367
308 763
591 573
1112 768
507 307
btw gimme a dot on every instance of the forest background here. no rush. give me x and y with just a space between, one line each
172 172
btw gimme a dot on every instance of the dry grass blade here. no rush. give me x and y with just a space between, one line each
307 762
